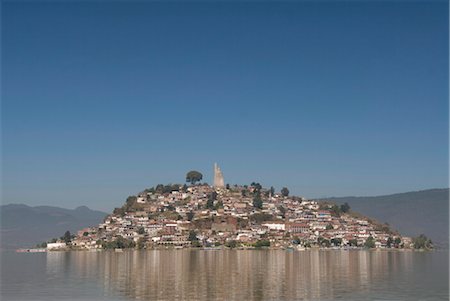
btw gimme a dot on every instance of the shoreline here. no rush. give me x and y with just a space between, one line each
290 250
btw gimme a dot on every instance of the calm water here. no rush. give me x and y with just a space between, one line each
225 275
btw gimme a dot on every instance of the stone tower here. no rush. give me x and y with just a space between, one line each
218 177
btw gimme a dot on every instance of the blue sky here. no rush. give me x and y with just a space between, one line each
103 99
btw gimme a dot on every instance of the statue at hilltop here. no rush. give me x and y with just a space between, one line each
218 177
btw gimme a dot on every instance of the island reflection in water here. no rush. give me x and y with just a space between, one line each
258 274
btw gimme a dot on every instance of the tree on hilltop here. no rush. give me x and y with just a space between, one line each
257 201
282 211
285 191
345 207
335 211
256 186
272 191
193 176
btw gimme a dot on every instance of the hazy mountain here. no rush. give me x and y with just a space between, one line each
25 226
411 213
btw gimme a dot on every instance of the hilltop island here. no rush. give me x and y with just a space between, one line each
232 216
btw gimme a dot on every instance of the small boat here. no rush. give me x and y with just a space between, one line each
301 248
118 250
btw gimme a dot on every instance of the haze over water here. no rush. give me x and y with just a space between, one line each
226 275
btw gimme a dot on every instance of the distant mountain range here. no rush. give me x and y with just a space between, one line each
411 213
25 226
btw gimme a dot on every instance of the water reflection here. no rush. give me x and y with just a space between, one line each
255 275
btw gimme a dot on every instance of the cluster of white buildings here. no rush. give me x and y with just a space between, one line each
180 216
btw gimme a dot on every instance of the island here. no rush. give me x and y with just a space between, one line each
199 215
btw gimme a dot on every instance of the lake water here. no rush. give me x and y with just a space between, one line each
226 275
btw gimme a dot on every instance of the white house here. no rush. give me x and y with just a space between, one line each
275 226
56 246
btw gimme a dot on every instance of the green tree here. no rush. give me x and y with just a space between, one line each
109 244
370 243
119 211
196 244
121 242
67 237
192 236
131 200
193 177
257 201
337 241
353 242
422 242
257 186
130 204
210 204
282 210
141 230
329 227
262 243
218 205
345 207
231 244
285 191
140 243
159 188
323 242
335 210
389 242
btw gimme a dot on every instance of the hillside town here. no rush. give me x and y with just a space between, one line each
230 216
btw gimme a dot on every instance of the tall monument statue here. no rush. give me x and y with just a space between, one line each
218 177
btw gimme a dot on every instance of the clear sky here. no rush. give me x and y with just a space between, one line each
103 99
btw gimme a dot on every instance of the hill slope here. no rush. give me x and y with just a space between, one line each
411 213
25 226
